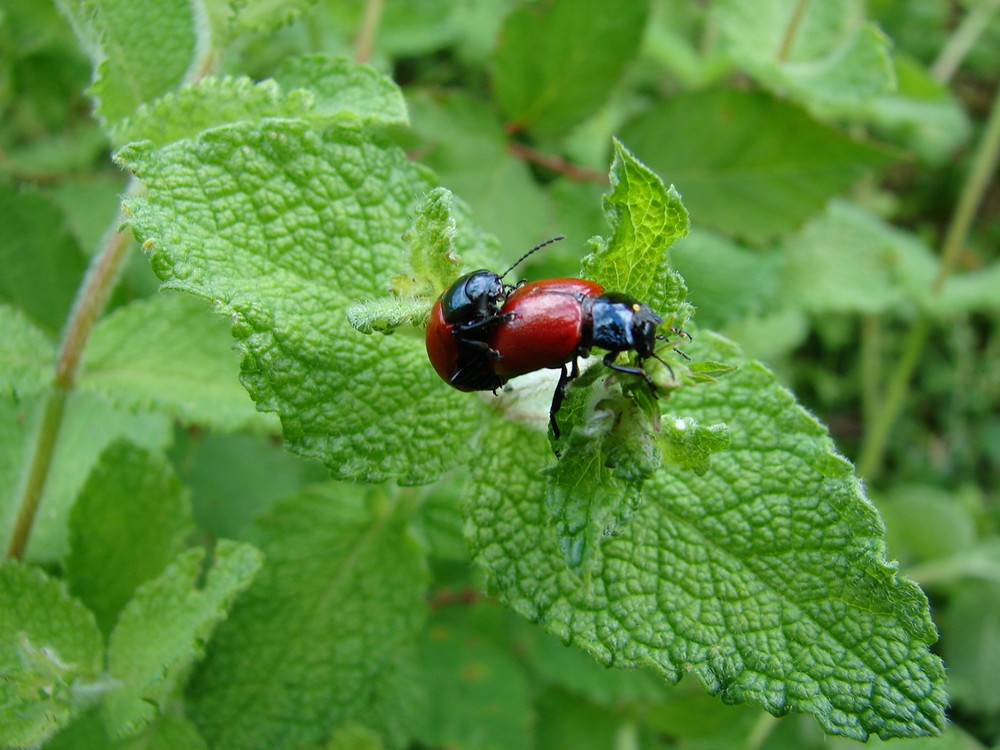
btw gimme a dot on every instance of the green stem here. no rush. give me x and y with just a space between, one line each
760 731
366 34
983 165
871 366
90 302
964 38
877 435
792 30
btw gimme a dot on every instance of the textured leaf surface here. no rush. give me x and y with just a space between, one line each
140 49
163 630
765 577
340 598
129 521
284 226
751 166
339 85
167 353
50 648
558 60
645 221
170 732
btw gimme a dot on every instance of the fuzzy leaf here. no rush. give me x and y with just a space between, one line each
163 630
140 49
51 655
765 577
285 225
26 355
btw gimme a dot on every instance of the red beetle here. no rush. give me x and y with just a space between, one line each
554 322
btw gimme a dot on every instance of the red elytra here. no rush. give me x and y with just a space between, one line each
543 325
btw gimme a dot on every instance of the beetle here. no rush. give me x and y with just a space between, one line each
551 323
461 322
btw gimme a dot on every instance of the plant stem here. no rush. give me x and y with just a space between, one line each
960 42
870 363
556 164
366 34
90 302
792 30
983 165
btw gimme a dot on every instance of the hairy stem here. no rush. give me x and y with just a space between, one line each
90 302
983 165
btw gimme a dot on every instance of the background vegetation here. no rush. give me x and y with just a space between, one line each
837 160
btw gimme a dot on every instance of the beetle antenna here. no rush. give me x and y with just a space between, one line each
539 246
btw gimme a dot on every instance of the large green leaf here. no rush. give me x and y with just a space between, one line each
765 576
283 225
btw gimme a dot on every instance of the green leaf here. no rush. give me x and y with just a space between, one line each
130 520
557 61
51 656
834 58
340 85
750 166
847 260
260 16
41 261
167 353
922 114
480 695
89 425
169 732
645 220
206 104
726 280
765 578
140 49
316 228
971 646
162 632
433 260
462 140
340 598
26 355
233 477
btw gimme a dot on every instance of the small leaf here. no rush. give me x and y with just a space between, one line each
51 655
432 245
557 61
163 630
130 519
690 445
340 599
645 220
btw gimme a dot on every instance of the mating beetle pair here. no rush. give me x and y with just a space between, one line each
482 332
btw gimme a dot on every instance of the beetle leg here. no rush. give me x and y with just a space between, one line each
609 361
558 397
